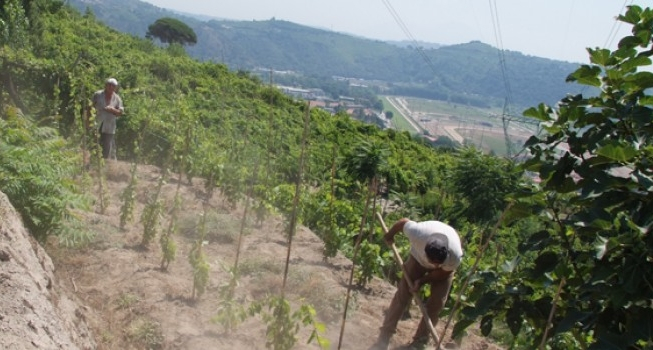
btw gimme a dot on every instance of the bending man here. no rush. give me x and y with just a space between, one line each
435 253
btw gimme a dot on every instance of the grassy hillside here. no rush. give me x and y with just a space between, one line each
204 120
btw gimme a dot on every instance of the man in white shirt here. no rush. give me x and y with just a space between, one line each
435 253
108 106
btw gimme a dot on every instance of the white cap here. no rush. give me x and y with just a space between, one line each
112 81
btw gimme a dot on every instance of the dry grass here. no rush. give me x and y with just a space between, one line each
220 227
146 333
313 289
126 301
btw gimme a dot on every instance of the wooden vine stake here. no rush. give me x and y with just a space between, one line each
293 216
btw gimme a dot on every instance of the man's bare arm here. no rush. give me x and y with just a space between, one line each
396 228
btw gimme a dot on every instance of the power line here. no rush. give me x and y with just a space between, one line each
502 58
506 116
615 26
397 19
408 34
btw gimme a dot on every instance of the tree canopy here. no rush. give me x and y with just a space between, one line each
171 31
583 279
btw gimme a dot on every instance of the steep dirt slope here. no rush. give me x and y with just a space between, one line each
33 312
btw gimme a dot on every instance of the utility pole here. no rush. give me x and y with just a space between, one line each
506 135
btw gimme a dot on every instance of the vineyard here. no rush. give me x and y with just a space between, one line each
133 303
219 173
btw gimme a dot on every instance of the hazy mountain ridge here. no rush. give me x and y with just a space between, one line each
465 73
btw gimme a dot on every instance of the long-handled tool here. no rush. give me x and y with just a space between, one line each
420 303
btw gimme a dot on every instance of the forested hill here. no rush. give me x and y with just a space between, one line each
466 73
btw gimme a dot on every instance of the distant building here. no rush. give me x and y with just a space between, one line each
304 94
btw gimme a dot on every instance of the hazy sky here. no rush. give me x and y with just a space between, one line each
556 29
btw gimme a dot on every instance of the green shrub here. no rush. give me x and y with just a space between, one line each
37 171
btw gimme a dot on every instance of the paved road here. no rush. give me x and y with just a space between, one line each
451 130
404 111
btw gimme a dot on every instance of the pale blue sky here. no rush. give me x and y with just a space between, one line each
556 29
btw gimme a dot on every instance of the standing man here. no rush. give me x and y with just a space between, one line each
108 106
435 253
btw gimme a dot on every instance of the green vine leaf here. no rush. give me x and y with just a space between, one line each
460 327
486 325
617 152
599 57
514 319
510 265
588 75
542 113
639 61
546 262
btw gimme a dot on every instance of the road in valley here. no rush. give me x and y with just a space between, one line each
401 107
447 130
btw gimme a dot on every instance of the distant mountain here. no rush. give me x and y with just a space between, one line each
466 73
415 44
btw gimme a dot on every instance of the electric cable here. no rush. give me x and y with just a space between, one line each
494 14
408 34
616 25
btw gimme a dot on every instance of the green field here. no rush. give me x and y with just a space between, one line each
482 127
446 108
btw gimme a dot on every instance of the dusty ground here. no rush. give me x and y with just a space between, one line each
131 303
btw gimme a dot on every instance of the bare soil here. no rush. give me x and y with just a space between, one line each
130 302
